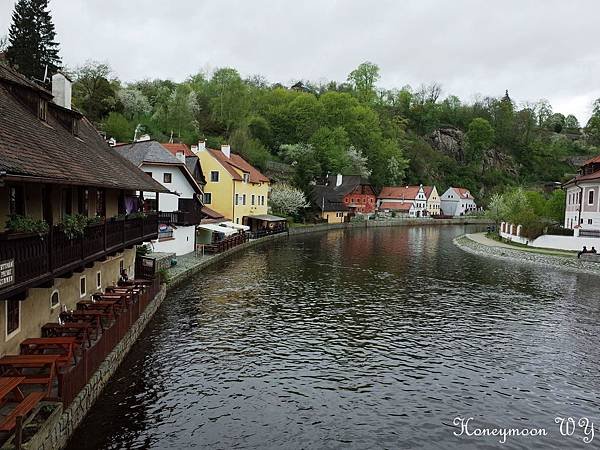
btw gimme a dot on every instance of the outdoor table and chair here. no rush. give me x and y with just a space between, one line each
11 386
92 317
81 331
36 369
64 346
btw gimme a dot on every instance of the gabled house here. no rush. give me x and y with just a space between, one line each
234 188
434 204
457 202
181 206
55 167
582 203
395 199
342 196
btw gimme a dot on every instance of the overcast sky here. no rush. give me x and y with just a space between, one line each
535 49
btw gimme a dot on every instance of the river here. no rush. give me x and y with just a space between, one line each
365 338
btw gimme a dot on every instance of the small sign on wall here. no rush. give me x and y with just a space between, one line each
7 272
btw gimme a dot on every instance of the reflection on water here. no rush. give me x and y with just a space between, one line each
371 338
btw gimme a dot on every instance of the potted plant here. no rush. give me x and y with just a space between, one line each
74 225
18 224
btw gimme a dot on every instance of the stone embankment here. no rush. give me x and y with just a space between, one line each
499 251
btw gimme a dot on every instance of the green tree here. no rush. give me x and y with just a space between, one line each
32 46
363 80
571 122
117 126
94 91
480 138
331 147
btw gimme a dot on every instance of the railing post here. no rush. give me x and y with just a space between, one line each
105 227
50 252
123 233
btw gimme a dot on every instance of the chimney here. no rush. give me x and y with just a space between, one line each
180 156
338 180
226 149
201 146
61 90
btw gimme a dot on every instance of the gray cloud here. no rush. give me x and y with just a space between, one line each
536 49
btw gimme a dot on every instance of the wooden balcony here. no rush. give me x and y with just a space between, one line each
189 213
33 260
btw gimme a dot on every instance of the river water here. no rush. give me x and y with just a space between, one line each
374 338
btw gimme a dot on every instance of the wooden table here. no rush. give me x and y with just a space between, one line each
93 318
65 345
81 331
10 385
12 365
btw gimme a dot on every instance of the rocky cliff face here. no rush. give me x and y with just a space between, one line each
451 142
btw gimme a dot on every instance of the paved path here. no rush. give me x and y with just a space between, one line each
482 239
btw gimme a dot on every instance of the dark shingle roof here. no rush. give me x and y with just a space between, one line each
47 151
331 197
150 152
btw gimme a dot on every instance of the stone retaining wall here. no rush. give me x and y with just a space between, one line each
58 435
519 256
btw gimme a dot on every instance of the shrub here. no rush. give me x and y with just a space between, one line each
74 225
25 224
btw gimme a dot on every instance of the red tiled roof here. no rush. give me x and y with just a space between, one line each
211 213
178 148
428 190
595 159
237 162
463 193
400 192
398 206
590 176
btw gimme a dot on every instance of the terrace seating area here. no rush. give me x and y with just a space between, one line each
56 366
220 245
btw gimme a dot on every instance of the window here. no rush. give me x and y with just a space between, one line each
98 280
84 198
16 200
262 200
580 221
149 173
237 199
244 199
252 199
589 221
237 220
54 300
166 177
207 198
121 266
246 177
13 317
214 176
590 197
82 286
100 203
42 109
66 200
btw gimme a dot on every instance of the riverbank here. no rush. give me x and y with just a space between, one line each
480 245
189 265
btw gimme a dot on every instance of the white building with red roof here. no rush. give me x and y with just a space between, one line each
410 201
582 205
457 202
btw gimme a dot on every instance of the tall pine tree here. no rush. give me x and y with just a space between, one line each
31 39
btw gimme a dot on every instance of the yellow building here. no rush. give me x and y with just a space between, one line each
233 187
433 201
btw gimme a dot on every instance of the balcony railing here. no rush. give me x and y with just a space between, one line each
189 213
34 259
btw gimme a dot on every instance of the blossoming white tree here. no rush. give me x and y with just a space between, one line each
286 199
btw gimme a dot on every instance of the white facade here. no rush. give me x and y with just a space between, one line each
419 202
182 241
582 206
457 202
175 238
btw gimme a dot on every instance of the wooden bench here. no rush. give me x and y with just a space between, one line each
22 409
591 257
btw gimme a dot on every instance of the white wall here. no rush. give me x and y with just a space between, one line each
179 183
181 244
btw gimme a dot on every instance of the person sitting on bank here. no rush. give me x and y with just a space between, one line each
585 250
593 250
